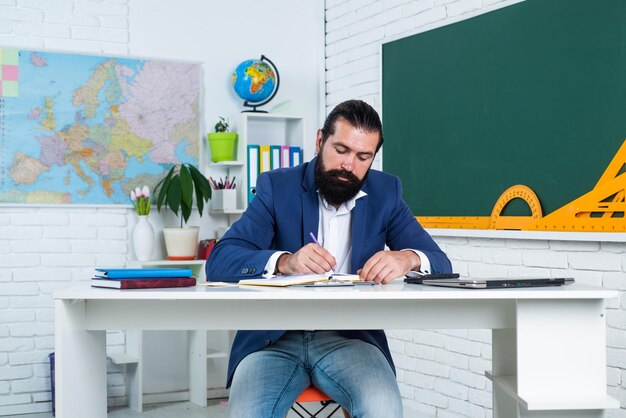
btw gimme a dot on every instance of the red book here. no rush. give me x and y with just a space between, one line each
144 283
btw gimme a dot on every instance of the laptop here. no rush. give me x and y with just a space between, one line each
499 283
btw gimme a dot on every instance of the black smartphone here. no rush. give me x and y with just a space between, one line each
414 277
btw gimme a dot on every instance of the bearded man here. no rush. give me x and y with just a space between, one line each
354 212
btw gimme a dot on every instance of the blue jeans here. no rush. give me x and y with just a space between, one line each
352 372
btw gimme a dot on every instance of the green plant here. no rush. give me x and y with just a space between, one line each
177 188
221 125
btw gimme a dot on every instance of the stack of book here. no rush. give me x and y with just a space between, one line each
143 278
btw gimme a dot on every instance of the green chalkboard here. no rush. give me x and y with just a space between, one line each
533 94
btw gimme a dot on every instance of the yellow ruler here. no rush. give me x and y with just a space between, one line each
602 209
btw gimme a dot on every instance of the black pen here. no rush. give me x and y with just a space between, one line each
315 241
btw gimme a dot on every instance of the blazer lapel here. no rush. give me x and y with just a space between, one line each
359 222
310 204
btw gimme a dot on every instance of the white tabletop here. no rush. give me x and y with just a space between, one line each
393 291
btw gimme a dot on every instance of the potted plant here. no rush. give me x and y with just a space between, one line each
176 191
222 142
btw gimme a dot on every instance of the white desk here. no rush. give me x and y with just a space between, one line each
549 354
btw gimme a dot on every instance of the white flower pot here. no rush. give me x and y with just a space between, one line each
181 243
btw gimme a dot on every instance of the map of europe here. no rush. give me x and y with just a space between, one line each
89 129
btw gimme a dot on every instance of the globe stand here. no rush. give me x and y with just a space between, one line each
254 108
254 105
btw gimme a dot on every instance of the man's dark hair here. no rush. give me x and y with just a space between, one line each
358 114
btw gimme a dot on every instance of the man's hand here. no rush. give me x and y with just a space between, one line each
312 258
384 266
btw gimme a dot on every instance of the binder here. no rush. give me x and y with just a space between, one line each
284 156
274 156
253 170
295 156
264 162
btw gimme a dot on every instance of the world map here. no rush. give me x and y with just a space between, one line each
89 129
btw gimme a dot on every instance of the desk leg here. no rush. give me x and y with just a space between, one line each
134 371
197 367
80 364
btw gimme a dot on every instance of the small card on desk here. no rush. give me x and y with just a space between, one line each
330 283
338 283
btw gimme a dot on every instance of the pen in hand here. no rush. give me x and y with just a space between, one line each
315 241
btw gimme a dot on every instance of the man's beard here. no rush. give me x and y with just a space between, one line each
333 189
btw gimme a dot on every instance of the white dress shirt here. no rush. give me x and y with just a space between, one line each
334 233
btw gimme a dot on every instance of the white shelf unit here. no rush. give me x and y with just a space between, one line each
197 342
258 129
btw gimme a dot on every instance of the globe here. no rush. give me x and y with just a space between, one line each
256 81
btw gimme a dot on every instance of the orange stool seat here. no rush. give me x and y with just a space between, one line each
313 394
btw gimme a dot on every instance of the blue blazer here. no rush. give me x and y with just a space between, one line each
281 216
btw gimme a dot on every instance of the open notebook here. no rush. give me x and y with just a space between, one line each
498 283
296 279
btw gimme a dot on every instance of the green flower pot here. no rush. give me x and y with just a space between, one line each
223 146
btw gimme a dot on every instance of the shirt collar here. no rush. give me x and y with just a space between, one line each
348 206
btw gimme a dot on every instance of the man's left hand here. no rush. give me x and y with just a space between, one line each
384 266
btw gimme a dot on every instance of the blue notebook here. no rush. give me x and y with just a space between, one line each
129 273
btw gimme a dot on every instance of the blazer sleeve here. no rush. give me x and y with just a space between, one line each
244 249
404 232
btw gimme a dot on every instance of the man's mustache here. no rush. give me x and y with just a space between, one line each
343 173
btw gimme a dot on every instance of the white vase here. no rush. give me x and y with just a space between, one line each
143 239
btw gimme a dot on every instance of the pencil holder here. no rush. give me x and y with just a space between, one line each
224 199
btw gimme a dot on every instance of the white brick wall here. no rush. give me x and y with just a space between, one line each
88 26
441 373
43 249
